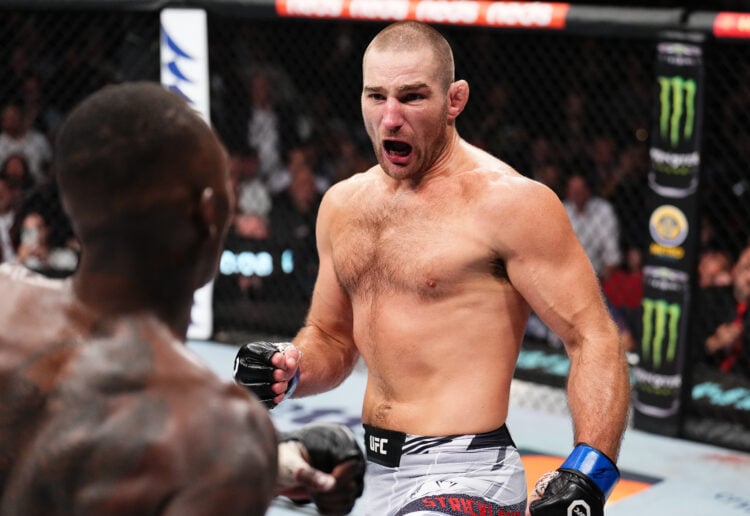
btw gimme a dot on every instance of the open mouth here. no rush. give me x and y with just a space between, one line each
397 148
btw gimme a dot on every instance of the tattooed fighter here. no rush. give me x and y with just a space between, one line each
103 410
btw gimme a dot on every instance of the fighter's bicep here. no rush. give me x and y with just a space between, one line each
330 308
551 271
330 303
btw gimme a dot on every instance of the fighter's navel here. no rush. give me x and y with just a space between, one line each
381 412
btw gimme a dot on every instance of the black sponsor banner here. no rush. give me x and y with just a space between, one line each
658 379
674 232
675 137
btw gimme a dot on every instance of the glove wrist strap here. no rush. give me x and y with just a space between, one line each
293 384
595 465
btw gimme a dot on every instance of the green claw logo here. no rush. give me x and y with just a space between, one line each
677 98
660 318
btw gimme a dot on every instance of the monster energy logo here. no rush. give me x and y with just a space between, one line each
675 94
659 319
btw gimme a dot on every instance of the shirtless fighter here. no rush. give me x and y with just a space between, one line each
103 409
430 263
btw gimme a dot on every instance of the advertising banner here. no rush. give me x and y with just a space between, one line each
674 231
184 70
732 25
527 15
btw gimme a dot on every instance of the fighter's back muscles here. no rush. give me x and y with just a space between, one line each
124 422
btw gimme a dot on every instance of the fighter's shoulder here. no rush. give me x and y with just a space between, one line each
26 292
223 430
205 419
506 195
12 274
225 403
508 186
191 432
343 190
182 374
350 193
228 413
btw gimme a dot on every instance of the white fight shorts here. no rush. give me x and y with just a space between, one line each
466 475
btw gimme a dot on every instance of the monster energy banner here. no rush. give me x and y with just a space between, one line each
675 139
658 375
673 228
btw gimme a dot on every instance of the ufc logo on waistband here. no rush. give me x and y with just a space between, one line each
384 446
378 444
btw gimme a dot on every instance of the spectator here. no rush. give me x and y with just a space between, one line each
44 199
16 138
724 342
16 171
39 113
500 129
595 223
37 252
341 60
272 129
544 165
626 188
603 161
714 268
624 291
575 130
328 129
249 230
252 195
708 234
249 233
33 251
349 159
293 221
7 218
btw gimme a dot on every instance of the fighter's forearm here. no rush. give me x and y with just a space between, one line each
599 395
326 361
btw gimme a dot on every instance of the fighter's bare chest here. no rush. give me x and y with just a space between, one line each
407 250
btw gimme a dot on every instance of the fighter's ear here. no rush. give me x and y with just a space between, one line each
207 212
458 96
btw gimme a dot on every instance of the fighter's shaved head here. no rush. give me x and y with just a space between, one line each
408 35
131 148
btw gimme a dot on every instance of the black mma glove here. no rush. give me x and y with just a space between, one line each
580 486
329 446
254 371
